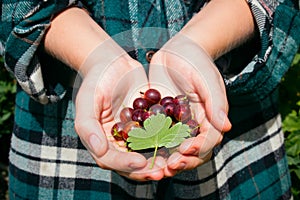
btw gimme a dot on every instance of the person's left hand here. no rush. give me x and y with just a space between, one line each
182 67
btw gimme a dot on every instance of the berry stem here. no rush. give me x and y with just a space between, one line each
154 156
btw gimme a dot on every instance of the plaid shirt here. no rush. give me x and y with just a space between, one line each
24 24
47 159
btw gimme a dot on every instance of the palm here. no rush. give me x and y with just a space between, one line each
174 76
184 69
100 98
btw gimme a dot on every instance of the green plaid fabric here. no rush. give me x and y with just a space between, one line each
47 159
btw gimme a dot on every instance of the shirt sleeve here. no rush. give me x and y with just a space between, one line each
22 28
278 23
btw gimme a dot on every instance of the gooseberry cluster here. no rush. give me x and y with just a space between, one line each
150 103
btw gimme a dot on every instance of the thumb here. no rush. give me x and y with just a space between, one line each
213 94
91 135
87 123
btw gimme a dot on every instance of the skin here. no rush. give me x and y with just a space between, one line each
218 17
191 70
231 22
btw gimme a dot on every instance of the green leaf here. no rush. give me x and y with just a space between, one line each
4 117
292 144
297 172
293 160
148 137
296 59
157 132
291 122
175 135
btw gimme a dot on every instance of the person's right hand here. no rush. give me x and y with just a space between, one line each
110 80
110 76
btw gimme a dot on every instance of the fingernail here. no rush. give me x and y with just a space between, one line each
193 151
135 165
181 166
94 143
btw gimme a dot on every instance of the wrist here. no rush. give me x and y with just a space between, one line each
103 56
72 42
221 26
183 50
108 56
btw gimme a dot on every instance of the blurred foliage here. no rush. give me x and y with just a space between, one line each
290 111
290 88
7 96
291 126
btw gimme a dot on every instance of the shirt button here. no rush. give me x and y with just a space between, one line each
149 55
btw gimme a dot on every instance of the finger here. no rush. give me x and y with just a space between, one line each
121 161
178 162
87 125
171 171
213 94
203 143
196 150
149 172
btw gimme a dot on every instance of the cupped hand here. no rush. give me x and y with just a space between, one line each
110 80
182 67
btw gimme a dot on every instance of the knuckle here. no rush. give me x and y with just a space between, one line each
219 141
